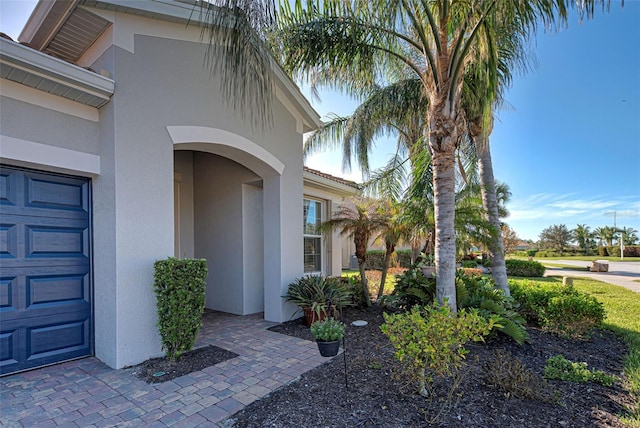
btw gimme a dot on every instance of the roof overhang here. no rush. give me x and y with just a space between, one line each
63 29
319 182
35 69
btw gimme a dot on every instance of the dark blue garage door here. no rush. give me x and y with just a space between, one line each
45 287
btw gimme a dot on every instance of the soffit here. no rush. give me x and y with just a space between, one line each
35 69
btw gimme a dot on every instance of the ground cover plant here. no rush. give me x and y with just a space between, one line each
376 393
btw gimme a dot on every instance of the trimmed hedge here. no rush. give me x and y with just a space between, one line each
524 268
180 286
558 309
614 251
401 258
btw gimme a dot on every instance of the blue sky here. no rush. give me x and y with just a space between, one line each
567 144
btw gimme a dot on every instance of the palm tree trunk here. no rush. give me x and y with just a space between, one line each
390 248
490 204
444 181
365 285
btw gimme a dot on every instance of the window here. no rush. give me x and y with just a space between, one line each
312 237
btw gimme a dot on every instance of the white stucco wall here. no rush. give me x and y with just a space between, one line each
161 83
252 249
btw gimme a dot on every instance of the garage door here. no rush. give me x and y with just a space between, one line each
45 288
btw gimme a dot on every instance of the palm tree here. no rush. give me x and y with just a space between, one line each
360 219
628 235
354 44
582 234
361 42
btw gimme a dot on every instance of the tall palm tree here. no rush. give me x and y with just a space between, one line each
628 235
583 235
356 43
360 42
359 218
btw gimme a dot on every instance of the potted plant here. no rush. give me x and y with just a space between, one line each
427 265
317 296
328 334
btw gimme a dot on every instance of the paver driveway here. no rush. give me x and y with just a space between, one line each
88 393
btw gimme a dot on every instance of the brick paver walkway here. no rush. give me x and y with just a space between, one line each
87 393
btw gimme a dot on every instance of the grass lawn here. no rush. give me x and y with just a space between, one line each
373 280
586 258
622 308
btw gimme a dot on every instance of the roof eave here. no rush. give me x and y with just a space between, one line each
38 70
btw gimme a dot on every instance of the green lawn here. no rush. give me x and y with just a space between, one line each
622 308
587 258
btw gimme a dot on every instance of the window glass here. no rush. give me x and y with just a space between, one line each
312 212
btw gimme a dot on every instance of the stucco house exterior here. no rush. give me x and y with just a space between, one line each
117 150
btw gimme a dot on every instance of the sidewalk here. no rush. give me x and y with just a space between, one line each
87 393
624 274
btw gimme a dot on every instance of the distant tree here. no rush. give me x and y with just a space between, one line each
510 239
584 237
556 237
606 234
628 236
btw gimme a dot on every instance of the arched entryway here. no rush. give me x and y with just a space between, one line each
226 193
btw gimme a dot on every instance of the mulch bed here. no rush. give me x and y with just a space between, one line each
161 369
376 396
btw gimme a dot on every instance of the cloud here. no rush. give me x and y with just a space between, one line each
571 208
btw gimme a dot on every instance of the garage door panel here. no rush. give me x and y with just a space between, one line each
8 188
45 265
55 338
8 294
58 193
45 289
9 344
27 239
50 241
8 240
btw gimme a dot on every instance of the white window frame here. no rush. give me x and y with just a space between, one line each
323 252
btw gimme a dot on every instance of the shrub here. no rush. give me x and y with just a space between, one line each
412 288
472 271
179 285
513 378
431 340
602 252
375 259
572 315
524 268
317 293
558 309
404 258
613 251
469 264
480 293
558 367
353 285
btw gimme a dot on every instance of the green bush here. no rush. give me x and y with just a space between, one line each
315 292
572 315
179 285
469 264
479 293
602 252
412 288
524 268
430 341
558 367
558 309
613 251
375 259
328 330
404 258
